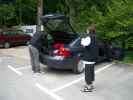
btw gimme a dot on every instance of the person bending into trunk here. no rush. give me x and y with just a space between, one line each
38 44
90 54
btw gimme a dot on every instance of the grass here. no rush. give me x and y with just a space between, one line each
129 57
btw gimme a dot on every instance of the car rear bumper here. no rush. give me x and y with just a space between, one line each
59 62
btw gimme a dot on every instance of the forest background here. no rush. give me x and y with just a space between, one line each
113 18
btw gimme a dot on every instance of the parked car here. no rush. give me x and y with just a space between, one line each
63 50
10 38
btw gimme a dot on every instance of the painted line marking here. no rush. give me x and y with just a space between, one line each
67 85
54 96
103 68
0 60
76 81
15 70
25 67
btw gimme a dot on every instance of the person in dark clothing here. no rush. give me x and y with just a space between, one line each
90 53
38 43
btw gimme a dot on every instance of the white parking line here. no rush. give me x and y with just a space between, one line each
103 68
15 70
25 67
76 81
67 85
56 97
0 60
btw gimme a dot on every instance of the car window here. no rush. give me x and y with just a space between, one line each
19 32
9 33
75 43
58 25
29 30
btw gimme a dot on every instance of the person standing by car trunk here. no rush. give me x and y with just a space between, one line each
37 43
90 53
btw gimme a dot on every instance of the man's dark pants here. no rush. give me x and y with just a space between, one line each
89 73
34 57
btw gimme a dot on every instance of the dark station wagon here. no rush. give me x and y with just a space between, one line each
64 50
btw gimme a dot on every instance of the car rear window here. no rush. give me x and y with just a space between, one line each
58 25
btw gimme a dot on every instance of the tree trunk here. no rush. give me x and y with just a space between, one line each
39 14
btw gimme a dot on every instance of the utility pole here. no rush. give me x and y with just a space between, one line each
20 13
39 14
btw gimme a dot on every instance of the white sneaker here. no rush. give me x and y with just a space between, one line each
88 88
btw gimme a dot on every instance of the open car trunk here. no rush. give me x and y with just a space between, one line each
56 40
59 39
59 31
62 37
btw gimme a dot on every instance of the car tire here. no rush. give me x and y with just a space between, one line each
119 54
79 68
28 43
109 59
7 45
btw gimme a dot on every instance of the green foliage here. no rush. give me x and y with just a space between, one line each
118 22
129 43
6 1
26 11
7 13
14 12
129 57
113 18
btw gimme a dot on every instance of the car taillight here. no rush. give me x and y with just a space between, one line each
64 52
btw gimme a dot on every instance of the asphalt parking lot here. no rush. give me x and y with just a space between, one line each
18 82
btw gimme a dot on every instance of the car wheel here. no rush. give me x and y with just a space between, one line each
28 42
79 68
6 45
109 59
119 54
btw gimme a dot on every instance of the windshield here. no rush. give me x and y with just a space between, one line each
58 25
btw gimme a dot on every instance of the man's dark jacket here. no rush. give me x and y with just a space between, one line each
39 40
90 52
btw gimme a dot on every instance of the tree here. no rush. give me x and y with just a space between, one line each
26 11
7 13
118 23
113 18
6 1
15 12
